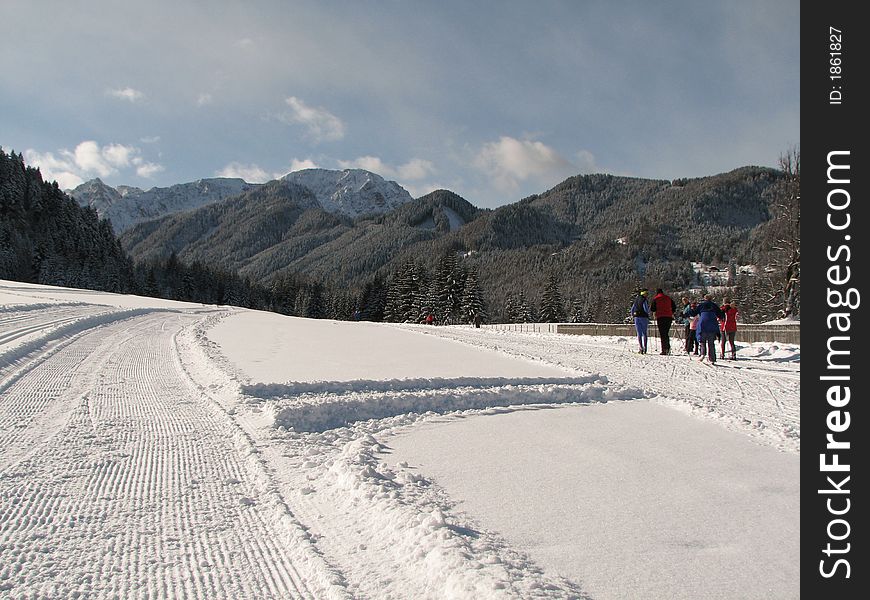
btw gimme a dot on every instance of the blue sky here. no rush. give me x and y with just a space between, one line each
493 100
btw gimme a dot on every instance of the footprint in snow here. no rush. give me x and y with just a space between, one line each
245 501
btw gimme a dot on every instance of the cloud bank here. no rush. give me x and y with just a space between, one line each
509 162
413 170
89 159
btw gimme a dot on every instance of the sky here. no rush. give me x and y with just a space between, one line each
492 100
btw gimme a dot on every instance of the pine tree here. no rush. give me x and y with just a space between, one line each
523 309
472 300
373 300
578 311
552 310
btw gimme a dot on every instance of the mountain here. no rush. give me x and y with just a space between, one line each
600 235
126 206
281 228
351 193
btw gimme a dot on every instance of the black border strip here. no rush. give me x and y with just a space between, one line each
833 112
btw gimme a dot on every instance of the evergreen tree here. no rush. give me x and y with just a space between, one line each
552 310
373 300
524 311
472 300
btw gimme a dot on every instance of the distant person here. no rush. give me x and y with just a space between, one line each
663 308
430 319
685 315
640 314
709 314
477 320
694 339
729 327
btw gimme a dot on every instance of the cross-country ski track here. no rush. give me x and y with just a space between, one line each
142 488
151 449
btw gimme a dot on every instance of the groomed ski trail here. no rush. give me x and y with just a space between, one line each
119 478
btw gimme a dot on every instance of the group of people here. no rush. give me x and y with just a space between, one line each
706 323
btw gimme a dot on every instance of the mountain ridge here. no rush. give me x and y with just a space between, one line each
347 192
589 230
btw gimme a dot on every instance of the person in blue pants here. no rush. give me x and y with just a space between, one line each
709 314
640 313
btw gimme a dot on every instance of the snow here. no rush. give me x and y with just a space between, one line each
784 321
351 192
127 206
267 348
157 448
624 509
456 221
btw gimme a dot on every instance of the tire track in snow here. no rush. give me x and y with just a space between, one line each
139 491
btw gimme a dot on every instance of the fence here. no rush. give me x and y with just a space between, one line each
525 327
784 334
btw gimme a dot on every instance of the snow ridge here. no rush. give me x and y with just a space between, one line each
332 412
295 388
406 539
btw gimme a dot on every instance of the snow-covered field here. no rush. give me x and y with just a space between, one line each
151 448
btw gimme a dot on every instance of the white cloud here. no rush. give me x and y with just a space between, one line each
118 155
204 99
129 94
147 170
150 140
418 191
53 168
253 173
250 173
88 160
413 170
244 43
298 165
321 124
510 161
47 161
369 163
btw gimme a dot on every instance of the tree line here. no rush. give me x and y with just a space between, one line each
546 258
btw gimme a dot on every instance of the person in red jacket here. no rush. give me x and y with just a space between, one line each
663 308
729 327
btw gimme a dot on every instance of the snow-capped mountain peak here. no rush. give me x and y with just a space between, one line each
351 192
126 206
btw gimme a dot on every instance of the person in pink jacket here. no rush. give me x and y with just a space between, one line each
693 329
729 327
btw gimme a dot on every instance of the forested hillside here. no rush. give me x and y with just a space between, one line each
599 236
46 237
575 252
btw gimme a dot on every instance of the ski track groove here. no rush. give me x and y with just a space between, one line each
115 476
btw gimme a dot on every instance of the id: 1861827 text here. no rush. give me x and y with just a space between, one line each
835 65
